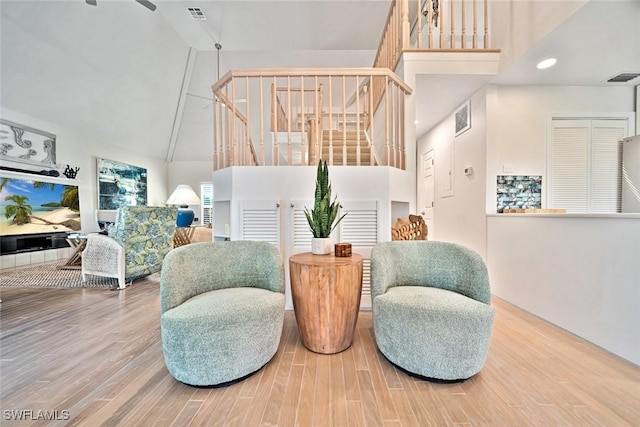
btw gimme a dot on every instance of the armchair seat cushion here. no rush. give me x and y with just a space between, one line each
433 332
222 335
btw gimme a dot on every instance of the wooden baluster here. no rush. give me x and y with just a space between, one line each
234 135
429 24
261 94
227 127
464 28
215 131
330 122
419 36
475 25
453 31
274 119
371 121
248 158
317 115
402 129
387 148
397 126
289 114
394 142
486 25
406 28
303 159
344 121
357 121
440 22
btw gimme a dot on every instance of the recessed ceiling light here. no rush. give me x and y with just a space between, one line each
416 121
549 62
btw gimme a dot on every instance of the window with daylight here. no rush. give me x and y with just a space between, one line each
206 208
585 165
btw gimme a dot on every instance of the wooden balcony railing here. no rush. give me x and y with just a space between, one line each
298 116
433 25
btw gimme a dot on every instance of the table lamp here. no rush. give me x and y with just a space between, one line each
183 196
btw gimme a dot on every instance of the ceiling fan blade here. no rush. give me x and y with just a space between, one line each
92 2
147 4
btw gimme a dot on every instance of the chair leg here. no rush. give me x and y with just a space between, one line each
122 283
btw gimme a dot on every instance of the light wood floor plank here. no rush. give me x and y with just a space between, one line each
322 404
305 412
98 354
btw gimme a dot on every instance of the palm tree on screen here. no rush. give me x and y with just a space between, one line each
20 211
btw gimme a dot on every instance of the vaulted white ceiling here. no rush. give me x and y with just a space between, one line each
115 71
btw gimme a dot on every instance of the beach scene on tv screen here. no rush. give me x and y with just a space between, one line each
32 206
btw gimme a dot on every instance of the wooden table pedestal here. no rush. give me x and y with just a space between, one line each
326 298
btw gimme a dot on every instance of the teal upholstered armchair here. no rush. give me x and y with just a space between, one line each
222 310
431 312
143 235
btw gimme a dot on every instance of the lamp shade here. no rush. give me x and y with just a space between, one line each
184 196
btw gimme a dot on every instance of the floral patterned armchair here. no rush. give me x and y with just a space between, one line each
143 236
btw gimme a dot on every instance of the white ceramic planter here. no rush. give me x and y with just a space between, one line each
321 246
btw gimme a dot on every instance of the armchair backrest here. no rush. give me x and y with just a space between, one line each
146 234
428 263
197 268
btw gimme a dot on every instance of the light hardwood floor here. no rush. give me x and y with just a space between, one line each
97 354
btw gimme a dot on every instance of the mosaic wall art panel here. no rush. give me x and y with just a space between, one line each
519 192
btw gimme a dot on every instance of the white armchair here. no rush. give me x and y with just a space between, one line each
103 256
143 236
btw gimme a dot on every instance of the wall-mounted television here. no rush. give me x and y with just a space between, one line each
36 207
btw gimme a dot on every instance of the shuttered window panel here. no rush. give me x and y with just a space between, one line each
301 233
606 167
586 165
569 164
360 228
366 278
206 208
261 221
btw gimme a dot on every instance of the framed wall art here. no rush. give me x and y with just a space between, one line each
26 145
120 184
463 118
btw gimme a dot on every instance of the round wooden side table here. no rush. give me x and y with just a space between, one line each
326 299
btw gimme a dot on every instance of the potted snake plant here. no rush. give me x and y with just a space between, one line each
323 218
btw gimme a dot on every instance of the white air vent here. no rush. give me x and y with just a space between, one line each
623 77
197 13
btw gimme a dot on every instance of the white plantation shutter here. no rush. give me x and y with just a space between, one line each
606 166
570 165
300 233
206 208
585 165
360 228
260 220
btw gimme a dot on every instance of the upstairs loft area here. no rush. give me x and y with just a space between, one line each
348 117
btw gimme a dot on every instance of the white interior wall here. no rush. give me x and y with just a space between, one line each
460 218
80 150
518 142
516 25
578 272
